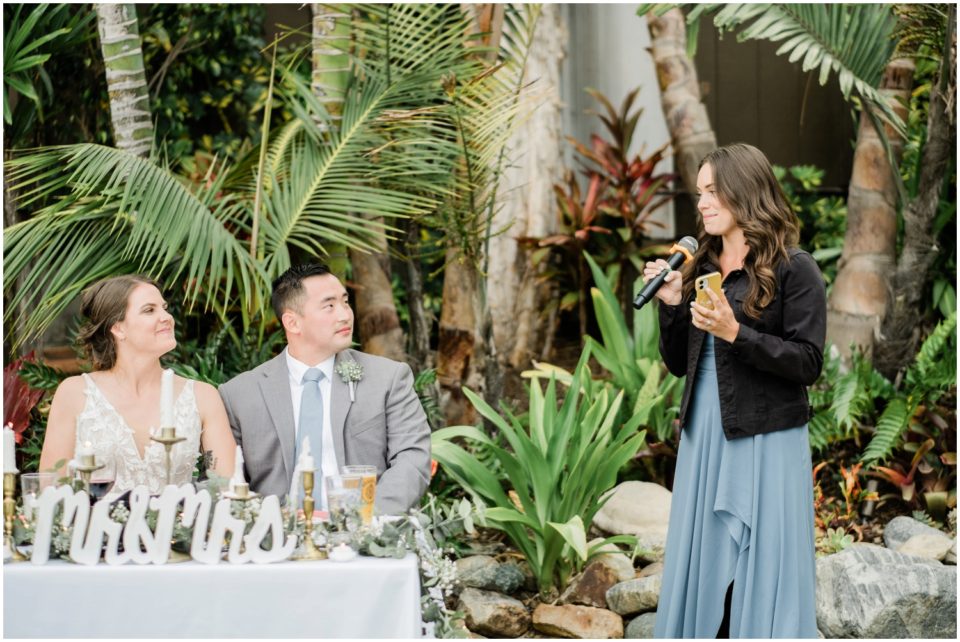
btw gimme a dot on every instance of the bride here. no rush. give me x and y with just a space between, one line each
116 407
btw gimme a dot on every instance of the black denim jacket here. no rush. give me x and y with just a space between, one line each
763 375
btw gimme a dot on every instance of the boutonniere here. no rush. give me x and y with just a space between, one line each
350 372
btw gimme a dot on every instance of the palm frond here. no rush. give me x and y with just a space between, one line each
138 215
853 41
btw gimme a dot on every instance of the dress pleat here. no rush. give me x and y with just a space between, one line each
742 512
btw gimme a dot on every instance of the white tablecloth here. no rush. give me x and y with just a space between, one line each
366 598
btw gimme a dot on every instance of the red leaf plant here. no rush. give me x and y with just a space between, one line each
18 398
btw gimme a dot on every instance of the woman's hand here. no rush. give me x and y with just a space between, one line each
671 292
719 321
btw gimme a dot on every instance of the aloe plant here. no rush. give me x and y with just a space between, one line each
558 469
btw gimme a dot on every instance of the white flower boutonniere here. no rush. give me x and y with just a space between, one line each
350 372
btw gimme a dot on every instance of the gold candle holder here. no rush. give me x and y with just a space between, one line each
168 437
9 510
241 493
310 550
86 466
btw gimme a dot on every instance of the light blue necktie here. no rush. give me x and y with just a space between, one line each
311 424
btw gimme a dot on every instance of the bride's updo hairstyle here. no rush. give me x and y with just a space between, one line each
103 304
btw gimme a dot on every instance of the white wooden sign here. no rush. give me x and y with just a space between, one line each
143 546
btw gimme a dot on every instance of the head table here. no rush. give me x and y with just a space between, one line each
366 598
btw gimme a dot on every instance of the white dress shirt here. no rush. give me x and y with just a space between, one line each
328 460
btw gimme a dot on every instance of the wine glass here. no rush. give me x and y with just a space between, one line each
102 480
343 501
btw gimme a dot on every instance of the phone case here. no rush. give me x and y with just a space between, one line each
713 281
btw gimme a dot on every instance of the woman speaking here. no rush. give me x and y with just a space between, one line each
740 546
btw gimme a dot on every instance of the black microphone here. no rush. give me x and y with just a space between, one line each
682 252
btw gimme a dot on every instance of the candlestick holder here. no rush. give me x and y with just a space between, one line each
9 510
241 493
310 550
168 437
86 466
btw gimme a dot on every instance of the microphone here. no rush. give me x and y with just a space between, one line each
681 252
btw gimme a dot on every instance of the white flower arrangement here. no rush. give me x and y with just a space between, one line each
350 373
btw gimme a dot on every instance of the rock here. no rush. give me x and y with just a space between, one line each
590 587
651 569
641 509
615 559
529 579
899 529
492 614
477 571
951 556
635 596
641 627
572 621
927 545
867 591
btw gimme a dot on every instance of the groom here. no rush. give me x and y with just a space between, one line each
305 391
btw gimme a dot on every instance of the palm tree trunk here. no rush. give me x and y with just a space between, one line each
861 292
377 318
126 78
690 131
419 355
330 69
514 297
462 351
900 328
460 339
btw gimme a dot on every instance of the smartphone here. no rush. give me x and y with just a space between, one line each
714 282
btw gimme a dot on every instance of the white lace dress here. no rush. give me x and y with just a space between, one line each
113 441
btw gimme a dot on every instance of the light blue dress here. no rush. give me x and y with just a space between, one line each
742 512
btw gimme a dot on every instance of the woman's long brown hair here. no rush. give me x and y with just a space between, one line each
747 187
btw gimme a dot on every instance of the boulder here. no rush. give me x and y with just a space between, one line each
572 621
951 556
867 591
616 559
927 545
476 571
492 614
651 569
590 587
899 529
635 596
641 509
641 627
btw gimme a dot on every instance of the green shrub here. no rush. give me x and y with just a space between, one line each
557 470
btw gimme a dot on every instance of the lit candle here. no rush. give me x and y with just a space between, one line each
9 450
85 455
341 553
166 399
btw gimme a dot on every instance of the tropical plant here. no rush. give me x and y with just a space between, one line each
207 77
933 371
823 218
632 364
27 387
557 470
216 242
31 35
612 221
828 511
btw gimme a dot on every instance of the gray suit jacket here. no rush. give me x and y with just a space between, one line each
385 427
